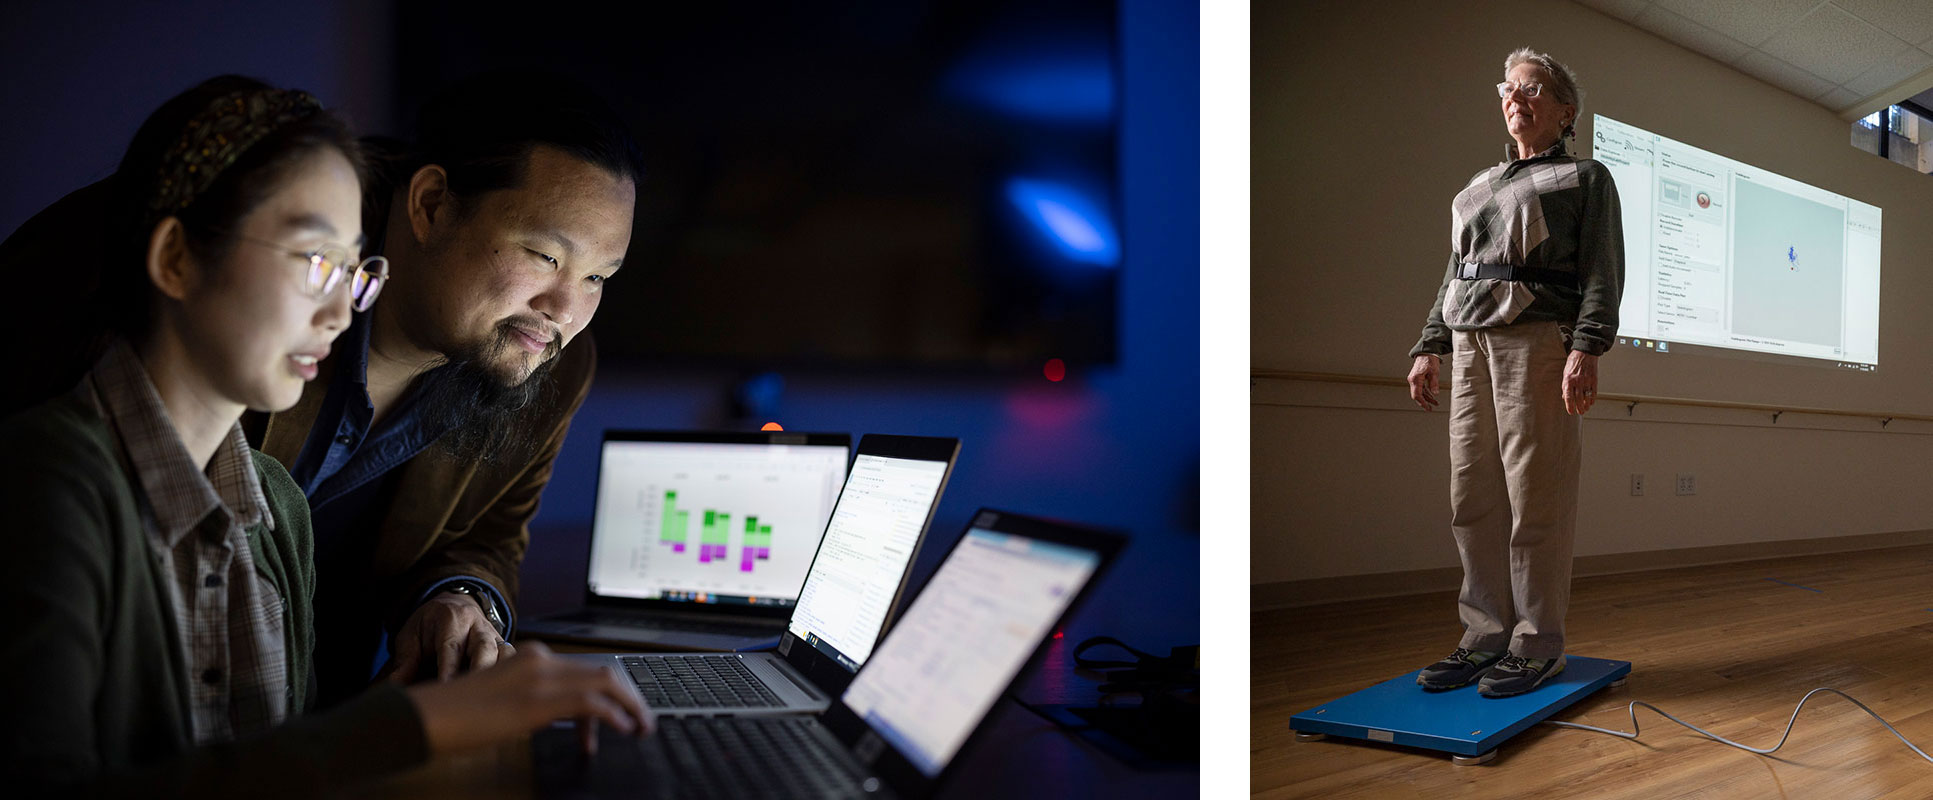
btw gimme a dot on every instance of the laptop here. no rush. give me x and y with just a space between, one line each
904 723
700 541
855 585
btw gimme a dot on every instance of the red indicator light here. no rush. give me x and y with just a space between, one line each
1055 369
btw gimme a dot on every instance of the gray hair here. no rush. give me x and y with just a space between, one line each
1563 81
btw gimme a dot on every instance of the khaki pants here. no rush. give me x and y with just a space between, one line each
1514 457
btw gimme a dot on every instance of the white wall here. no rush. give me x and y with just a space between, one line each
1367 119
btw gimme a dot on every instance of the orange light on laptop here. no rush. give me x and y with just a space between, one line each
1055 370
772 426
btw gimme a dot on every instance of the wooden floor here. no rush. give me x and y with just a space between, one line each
1728 648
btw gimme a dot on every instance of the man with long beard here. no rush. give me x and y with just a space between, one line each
425 443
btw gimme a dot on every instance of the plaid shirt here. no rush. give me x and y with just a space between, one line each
1552 212
229 623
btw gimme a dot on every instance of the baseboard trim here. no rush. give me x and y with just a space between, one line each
1315 591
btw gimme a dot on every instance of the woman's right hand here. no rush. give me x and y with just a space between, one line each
1422 381
523 693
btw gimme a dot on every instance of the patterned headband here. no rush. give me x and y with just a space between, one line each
219 135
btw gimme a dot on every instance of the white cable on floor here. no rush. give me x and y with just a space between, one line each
1788 725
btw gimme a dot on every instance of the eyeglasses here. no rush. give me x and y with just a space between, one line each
1531 89
327 266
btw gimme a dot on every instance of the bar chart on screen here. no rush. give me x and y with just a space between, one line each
716 528
715 519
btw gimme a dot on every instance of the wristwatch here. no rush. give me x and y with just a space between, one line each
477 592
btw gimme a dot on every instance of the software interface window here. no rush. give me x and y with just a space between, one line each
949 638
843 604
1723 254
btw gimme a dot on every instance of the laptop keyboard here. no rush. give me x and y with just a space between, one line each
697 681
732 757
769 758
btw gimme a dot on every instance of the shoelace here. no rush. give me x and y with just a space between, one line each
1513 664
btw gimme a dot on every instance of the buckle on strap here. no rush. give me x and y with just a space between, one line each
1507 272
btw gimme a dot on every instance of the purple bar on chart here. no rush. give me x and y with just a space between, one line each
677 547
765 553
745 561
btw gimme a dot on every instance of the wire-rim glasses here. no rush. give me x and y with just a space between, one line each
328 265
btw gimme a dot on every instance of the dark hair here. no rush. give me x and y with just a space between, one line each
485 420
484 156
256 173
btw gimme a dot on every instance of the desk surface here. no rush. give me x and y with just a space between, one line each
1023 756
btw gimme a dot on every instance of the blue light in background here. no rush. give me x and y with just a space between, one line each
1076 225
1055 79
757 398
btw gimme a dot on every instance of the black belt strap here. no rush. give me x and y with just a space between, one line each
1506 272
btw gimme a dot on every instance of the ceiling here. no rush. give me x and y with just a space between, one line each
1851 56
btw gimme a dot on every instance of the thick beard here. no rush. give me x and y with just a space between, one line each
481 414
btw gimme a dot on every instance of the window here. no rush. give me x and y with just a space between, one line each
1902 134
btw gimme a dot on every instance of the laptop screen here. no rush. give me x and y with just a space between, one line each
867 549
710 522
957 648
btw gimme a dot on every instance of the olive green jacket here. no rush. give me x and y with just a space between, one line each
91 678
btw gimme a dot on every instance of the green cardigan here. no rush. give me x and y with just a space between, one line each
91 675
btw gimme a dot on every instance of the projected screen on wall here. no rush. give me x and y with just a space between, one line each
1725 257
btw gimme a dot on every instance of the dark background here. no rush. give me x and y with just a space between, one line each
854 183
1116 443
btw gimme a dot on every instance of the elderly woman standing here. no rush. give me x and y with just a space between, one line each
1529 302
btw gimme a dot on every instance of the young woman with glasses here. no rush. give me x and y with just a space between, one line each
158 572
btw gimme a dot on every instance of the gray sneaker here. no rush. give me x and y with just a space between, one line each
1462 667
1516 675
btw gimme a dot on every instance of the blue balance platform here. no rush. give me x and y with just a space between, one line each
1459 721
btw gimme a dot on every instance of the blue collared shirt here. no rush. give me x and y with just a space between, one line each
349 467
343 453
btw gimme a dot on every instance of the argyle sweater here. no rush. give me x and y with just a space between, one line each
1550 212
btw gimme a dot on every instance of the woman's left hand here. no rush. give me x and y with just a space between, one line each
1580 382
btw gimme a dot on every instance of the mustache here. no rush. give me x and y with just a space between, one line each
511 326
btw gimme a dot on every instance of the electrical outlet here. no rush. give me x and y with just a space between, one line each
1637 484
1687 483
